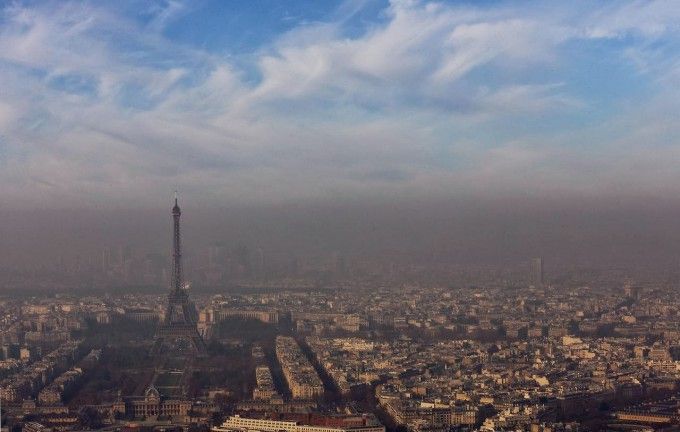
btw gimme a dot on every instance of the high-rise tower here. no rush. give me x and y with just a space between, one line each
537 272
180 314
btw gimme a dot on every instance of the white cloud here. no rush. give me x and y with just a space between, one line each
411 106
650 19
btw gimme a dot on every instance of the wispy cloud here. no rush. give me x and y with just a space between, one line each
429 98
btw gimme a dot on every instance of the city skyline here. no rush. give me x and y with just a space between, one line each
389 216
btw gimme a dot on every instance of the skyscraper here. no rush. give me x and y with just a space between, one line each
537 272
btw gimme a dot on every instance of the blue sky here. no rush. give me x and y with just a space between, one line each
263 101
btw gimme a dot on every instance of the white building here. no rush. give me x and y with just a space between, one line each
241 424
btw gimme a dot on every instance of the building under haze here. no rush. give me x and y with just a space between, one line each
537 272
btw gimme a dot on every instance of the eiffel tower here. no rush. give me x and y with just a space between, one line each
180 315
